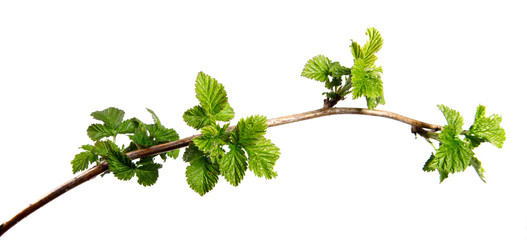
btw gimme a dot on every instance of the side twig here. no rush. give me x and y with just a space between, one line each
417 127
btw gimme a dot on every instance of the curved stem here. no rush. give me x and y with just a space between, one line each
170 146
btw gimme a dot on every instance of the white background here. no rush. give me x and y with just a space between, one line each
340 177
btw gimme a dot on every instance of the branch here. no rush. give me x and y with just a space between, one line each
417 127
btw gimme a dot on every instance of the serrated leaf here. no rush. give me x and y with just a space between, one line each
211 94
197 117
141 137
453 155
120 165
356 50
192 152
154 117
110 116
366 81
233 165
148 173
317 68
82 161
249 130
103 148
226 114
337 71
173 154
479 170
373 45
127 126
99 131
211 138
453 118
431 164
202 175
262 158
486 129
160 134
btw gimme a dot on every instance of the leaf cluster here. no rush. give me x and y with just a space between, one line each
456 146
142 135
221 150
363 79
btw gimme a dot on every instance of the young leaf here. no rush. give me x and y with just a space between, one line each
373 45
477 166
127 126
211 94
119 164
431 164
147 173
82 160
367 82
317 68
99 131
110 116
486 129
141 137
202 175
233 165
226 114
192 152
249 130
453 118
212 139
356 50
262 158
197 117
454 155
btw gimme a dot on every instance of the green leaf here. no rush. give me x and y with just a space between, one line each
453 118
249 130
103 148
192 152
356 50
431 164
367 82
226 114
120 165
262 158
173 154
157 122
211 139
99 131
82 160
373 45
453 155
110 116
147 173
202 175
211 94
374 102
197 117
141 137
486 129
479 170
233 165
337 71
127 126
317 68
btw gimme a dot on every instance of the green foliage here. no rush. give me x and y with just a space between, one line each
363 79
213 101
455 152
247 146
486 129
142 135
202 174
